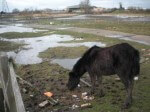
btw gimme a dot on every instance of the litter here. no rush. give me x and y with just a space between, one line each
86 105
48 94
74 96
74 106
85 97
51 100
44 103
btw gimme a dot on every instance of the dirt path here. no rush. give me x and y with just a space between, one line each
112 34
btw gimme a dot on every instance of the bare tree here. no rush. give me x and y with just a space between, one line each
120 6
85 5
15 10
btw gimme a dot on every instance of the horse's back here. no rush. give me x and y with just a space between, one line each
120 57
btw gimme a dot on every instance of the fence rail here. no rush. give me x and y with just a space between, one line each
10 89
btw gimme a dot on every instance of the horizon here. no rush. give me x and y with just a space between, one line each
59 5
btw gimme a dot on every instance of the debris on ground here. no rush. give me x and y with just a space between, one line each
44 103
86 83
86 105
117 79
24 90
85 97
48 94
74 96
74 106
136 78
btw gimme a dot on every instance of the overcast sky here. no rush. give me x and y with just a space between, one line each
61 4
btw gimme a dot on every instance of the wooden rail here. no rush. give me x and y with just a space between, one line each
10 89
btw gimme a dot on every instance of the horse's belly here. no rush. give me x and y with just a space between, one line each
107 70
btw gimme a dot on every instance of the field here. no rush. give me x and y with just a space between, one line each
48 76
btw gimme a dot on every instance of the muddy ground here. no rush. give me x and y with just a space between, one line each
53 78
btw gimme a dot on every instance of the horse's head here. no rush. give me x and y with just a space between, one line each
73 81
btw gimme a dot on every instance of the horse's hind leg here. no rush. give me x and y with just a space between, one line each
129 87
99 79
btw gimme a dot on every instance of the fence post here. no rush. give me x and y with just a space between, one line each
10 86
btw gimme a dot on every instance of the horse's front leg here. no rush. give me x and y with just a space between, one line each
99 79
93 82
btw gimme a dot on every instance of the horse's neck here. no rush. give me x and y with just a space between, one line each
79 68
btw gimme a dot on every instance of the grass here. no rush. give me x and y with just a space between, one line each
63 52
8 46
13 35
140 28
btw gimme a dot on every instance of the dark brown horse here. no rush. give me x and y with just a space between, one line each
121 59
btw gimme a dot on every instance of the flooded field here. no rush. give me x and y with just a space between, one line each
46 60
29 54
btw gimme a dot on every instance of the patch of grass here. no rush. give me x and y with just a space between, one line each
12 35
63 52
140 28
8 46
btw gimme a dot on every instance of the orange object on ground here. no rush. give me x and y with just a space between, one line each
49 94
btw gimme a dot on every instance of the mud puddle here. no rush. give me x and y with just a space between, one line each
62 62
29 53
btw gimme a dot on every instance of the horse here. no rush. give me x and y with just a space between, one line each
121 59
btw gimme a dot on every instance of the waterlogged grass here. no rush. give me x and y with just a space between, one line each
8 46
141 28
13 35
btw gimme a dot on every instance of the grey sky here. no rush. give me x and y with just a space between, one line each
60 4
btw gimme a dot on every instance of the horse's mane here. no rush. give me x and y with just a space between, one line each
87 58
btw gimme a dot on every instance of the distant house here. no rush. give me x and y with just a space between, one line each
77 8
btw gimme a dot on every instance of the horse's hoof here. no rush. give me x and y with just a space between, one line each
90 93
101 94
126 105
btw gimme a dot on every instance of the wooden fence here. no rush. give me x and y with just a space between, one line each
10 96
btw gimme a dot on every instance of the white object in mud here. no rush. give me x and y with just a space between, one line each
136 78
74 96
84 94
74 106
44 103
86 105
